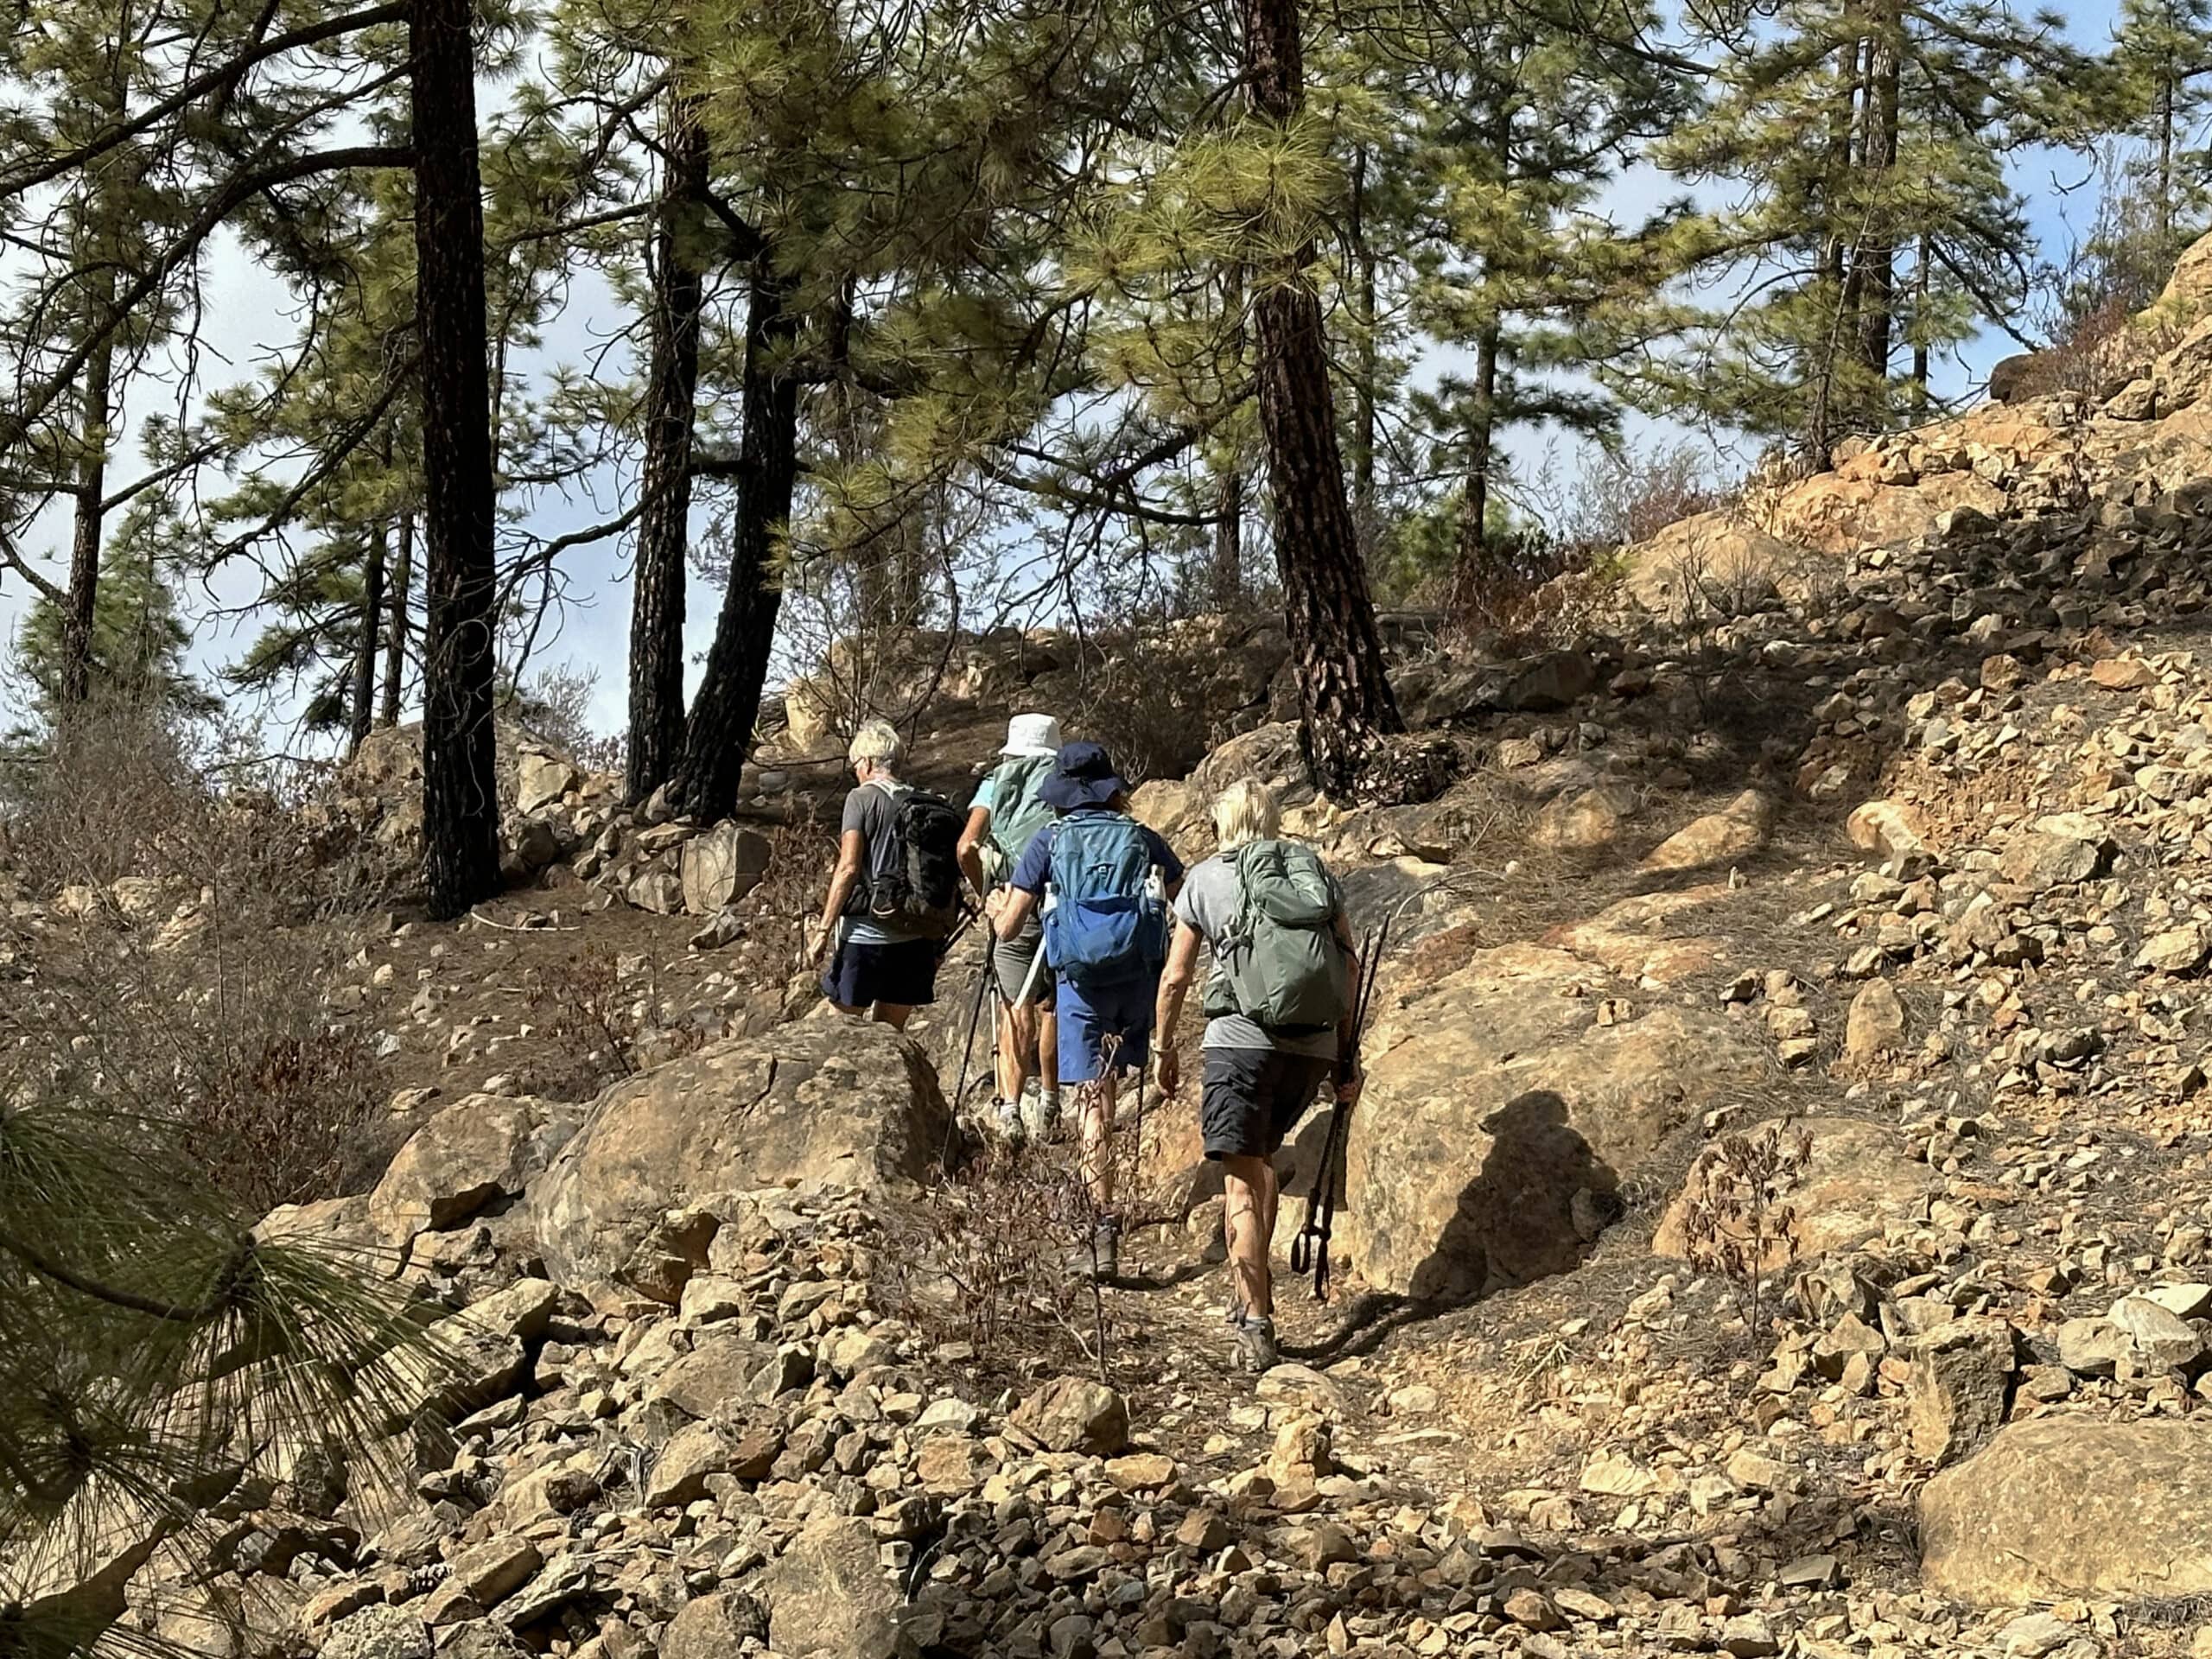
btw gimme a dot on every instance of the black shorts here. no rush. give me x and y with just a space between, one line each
1254 1098
903 974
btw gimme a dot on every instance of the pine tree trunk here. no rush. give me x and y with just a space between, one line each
1876 297
1471 569
395 634
1920 334
1226 574
671 407
1367 364
88 521
720 733
361 712
461 806
1821 429
1328 613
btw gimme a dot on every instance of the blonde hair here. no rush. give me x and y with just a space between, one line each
875 743
1245 810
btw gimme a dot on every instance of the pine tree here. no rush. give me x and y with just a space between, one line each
1343 688
136 648
2162 50
1514 142
1855 130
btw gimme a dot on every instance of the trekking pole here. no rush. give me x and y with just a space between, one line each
1309 1250
968 1049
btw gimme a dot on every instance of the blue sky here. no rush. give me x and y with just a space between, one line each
249 320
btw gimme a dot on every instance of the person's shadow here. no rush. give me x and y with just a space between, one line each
1535 1208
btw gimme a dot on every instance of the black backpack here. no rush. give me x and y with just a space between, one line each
914 876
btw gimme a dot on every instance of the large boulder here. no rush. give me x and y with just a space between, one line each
1714 562
1501 1118
831 1101
722 866
479 1150
2074 1506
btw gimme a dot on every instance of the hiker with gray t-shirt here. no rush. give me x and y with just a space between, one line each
1279 1008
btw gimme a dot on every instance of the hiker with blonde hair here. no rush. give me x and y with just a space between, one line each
894 897
1279 1011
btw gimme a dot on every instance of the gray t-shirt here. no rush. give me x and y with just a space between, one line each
1210 902
872 810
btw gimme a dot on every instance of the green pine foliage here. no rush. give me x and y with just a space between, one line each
139 643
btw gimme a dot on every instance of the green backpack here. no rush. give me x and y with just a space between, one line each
1280 966
1018 809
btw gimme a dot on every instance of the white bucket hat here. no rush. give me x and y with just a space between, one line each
1032 734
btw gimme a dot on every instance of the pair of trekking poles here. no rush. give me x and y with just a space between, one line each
1309 1250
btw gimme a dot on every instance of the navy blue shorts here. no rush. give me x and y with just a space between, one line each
903 974
1090 1015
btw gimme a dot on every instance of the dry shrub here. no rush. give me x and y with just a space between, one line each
1736 1219
604 1017
1628 494
2095 352
999 1253
192 972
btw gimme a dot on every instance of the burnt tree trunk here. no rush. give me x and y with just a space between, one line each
395 633
362 706
719 736
461 806
1328 613
672 408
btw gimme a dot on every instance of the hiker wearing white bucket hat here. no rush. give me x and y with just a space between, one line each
1004 815
1031 737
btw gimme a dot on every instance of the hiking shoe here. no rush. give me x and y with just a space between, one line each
1101 1259
1007 1118
1255 1346
1041 1116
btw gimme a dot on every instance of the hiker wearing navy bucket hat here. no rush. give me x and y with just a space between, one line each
1104 883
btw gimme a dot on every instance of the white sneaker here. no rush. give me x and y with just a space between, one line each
1006 1117
1040 1116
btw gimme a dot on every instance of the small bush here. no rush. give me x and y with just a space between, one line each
1737 1220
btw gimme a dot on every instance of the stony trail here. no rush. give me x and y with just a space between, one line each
1780 1221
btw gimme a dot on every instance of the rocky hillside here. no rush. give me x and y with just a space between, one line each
1780 1221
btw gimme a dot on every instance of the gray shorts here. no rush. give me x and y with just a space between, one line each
1010 960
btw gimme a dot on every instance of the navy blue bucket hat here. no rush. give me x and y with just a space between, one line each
1083 775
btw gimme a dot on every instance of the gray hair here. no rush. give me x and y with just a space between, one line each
876 744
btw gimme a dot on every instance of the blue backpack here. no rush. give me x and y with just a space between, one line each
1106 925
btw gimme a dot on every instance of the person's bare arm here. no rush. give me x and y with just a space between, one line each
1168 1012
1014 911
970 848
852 851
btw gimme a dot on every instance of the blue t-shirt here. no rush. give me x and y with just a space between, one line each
1035 868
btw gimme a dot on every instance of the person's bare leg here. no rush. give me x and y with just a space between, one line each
1017 1036
894 1014
1248 1193
1098 1109
1048 1049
